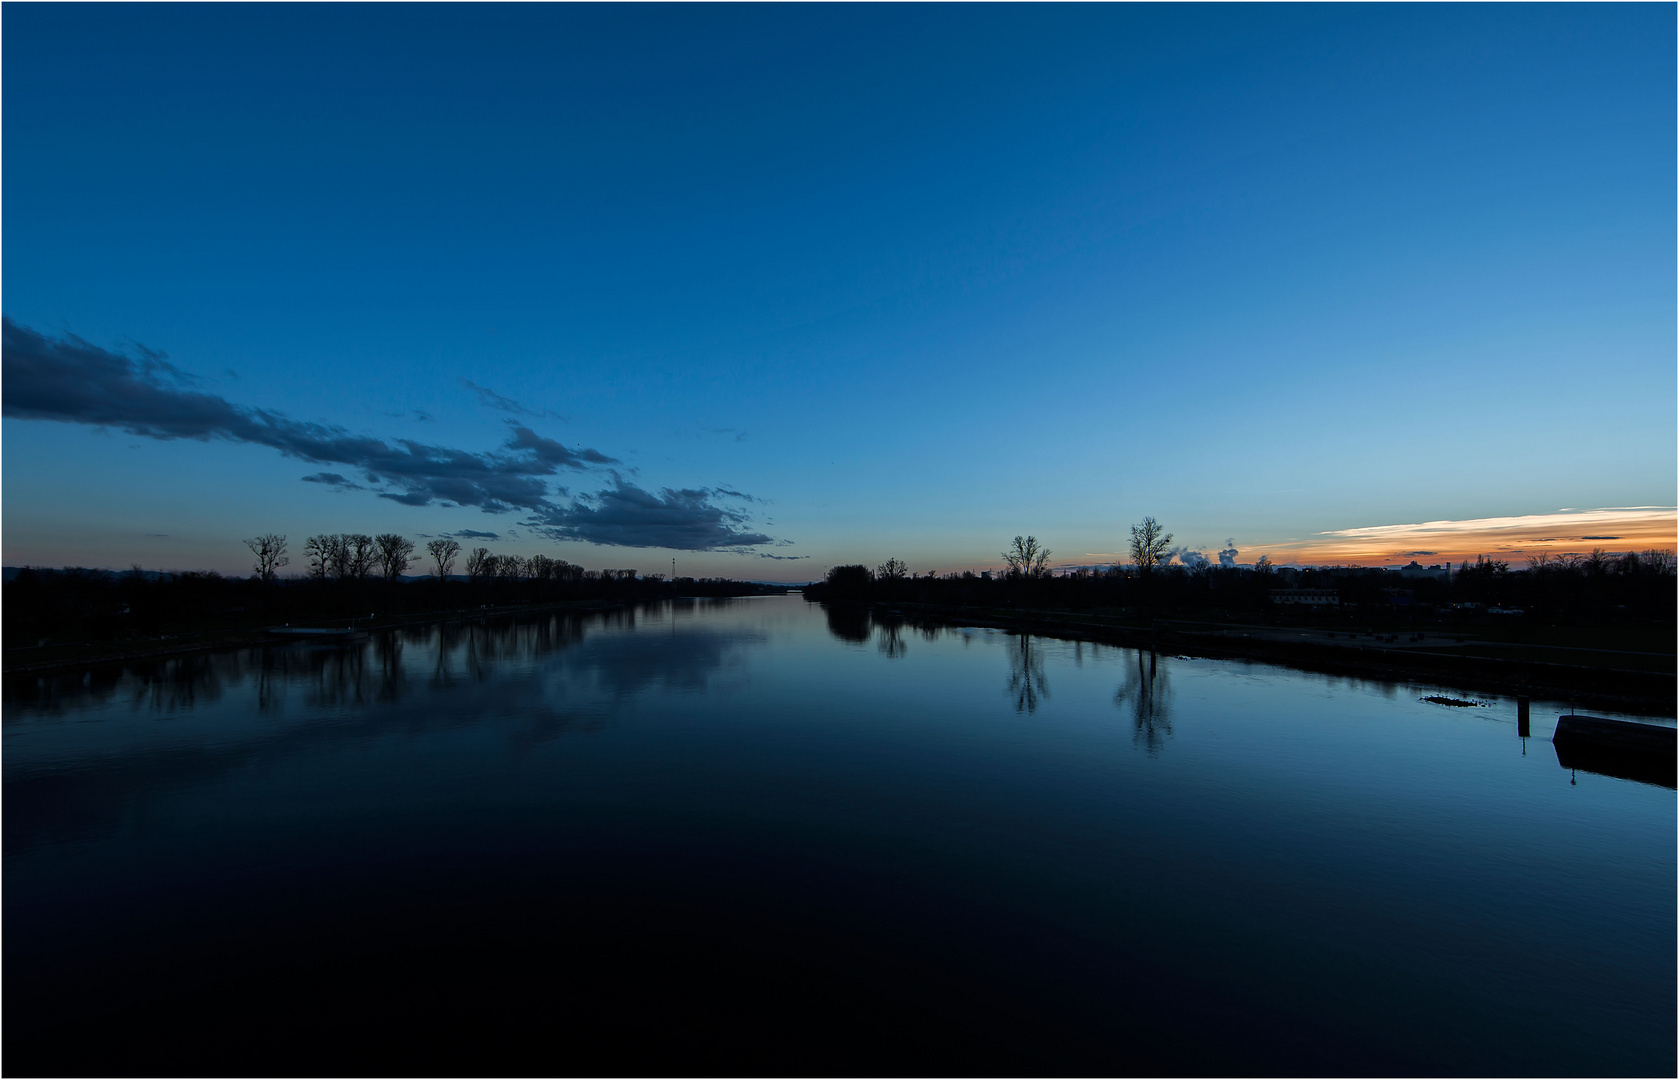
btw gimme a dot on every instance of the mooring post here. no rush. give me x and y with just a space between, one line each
1522 726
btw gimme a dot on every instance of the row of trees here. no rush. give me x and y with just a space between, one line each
350 576
359 557
1595 589
1028 559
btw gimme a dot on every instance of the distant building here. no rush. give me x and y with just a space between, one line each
1312 597
1416 570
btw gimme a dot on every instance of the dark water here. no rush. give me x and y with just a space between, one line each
744 837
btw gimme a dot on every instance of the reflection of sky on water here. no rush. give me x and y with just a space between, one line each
208 714
1251 819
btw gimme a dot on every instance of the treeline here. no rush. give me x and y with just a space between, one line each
350 576
1592 590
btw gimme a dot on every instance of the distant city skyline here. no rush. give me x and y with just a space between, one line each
772 289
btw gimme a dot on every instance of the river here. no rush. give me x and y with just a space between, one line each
753 836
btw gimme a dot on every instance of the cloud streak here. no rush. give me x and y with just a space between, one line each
69 380
1633 526
627 516
493 400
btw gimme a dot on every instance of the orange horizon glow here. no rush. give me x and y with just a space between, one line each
1614 529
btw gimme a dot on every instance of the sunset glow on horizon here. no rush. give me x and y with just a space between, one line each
1612 529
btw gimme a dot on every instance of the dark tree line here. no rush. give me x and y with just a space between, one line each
350 576
1599 589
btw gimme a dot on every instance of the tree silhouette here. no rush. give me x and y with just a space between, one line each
1026 558
270 550
480 564
891 570
443 554
394 553
324 552
359 555
342 556
1148 545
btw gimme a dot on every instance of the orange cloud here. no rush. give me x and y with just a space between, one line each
1624 528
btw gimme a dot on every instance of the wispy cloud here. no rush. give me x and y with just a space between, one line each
1633 526
493 400
71 381
332 479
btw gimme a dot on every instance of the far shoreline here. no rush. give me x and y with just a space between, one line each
1636 692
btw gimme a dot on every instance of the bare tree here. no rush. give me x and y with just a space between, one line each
443 554
342 556
1149 545
360 554
891 570
270 550
1027 558
393 555
480 564
323 552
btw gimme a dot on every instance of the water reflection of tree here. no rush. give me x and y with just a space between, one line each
892 641
178 683
1147 692
387 651
1027 682
339 677
848 623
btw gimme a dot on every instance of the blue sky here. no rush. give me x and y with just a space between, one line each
829 284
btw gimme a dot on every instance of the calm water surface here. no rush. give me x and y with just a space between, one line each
748 836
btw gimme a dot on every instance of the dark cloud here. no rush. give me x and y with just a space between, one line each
768 555
1416 554
1600 538
627 516
474 534
72 381
489 397
331 479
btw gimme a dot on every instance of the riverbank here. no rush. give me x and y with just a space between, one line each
1638 682
42 659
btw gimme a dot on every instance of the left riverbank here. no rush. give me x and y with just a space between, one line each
42 659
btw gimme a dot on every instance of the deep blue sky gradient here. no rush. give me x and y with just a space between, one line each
917 278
